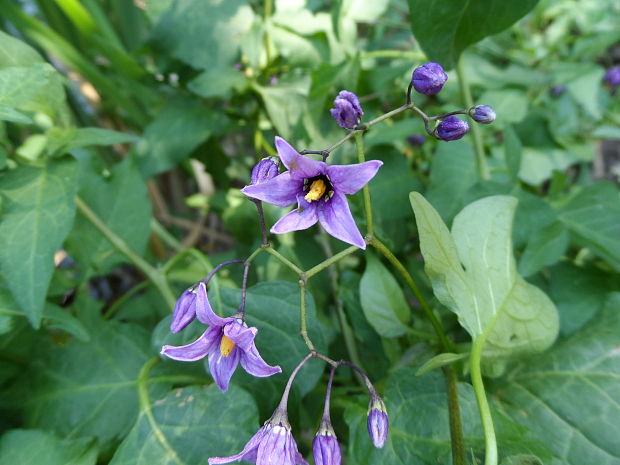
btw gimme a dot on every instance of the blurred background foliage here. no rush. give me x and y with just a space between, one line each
152 113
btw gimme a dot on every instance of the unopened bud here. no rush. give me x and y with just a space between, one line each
429 78
483 114
378 424
264 170
452 128
348 111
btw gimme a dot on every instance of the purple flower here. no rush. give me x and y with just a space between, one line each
429 78
378 424
264 170
319 191
452 128
483 114
185 308
227 342
348 111
273 444
612 76
558 90
325 447
416 140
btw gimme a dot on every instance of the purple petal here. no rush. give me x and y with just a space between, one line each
303 217
204 312
337 220
197 349
253 363
300 167
222 368
240 334
248 453
184 311
281 190
348 179
275 448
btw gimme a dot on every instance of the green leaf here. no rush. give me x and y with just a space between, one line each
382 299
218 83
512 151
58 318
190 425
583 81
489 297
67 139
86 389
36 447
545 247
445 28
37 213
19 84
14 52
569 396
593 217
522 460
439 361
509 104
181 126
122 204
13 116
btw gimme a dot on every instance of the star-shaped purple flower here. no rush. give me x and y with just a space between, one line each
227 342
319 190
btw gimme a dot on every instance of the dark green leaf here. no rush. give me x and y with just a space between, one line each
445 28
35 447
188 426
37 213
545 247
68 139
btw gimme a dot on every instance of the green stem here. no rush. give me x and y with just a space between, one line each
483 170
359 143
122 299
303 331
406 54
168 238
454 413
330 261
157 278
285 260
490 455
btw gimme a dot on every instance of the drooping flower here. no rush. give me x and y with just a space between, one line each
452 128
378 424
348 111
483 114
227 342
325 447
612 76
429 78
273 444
264 170
185 308
319 191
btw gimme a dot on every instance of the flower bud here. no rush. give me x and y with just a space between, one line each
612 76
348 111
325 447
558 90
184 310
452 128
483 114
429 78
264 170
378 424
416 140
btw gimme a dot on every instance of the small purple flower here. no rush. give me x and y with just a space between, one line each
452 128
348 111
483 114
612 76
429 78
264 170
325 447
273 444
378 424
227 342
185 308
416 140
319 191
558 90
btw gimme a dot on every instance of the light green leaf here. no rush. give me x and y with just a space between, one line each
59 318
593 217
20 84
512 151
188 426
37 213
36 447
509 104
545 247
583 81
569 396
14 52
439 361
218 83
445 28
67 139
122 203
522 460
9 114
382 299
489 297
538 164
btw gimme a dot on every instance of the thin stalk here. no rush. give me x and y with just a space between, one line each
289 383
244 286
454 413
261 218
124 298
490 455
157 278
361 158
165 236
284 260
330 261
303 319
483 170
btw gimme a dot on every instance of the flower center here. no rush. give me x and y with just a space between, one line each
226 346
317 190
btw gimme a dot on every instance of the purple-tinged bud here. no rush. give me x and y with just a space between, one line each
325 447
264 170
348 111
378 424
416 140
429 78
558 90
185 309
483 114
452 128
612 76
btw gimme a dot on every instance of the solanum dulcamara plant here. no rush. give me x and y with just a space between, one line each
317 190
